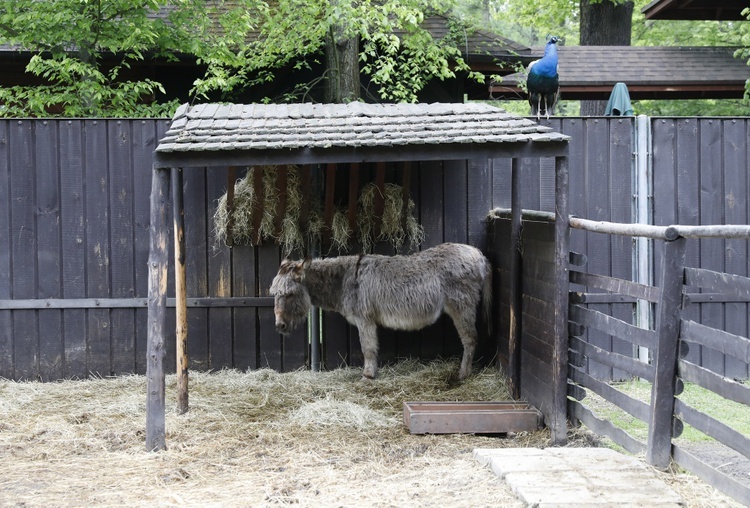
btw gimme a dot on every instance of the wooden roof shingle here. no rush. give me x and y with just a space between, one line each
215 127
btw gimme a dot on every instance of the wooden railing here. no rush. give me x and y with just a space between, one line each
668 343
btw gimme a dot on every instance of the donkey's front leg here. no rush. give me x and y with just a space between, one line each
368 340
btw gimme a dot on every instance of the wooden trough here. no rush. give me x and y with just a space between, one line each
471 417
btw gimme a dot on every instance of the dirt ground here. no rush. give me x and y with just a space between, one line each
260 439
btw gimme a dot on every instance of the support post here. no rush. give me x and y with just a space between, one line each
181 330
158 262
516 283
559 423
659 451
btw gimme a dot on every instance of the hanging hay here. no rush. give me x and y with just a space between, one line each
341 233
291 237
260 438
392 226
295 234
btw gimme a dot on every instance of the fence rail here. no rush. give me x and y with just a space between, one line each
669 342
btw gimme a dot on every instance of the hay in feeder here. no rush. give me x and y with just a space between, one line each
290 237
391 226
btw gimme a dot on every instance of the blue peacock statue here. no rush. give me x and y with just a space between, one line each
543 82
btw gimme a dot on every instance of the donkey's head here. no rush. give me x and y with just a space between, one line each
291 299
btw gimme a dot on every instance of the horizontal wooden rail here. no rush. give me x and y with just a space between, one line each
718 340
605 427
615 360
634 407
612 326
714 477
712 428
727 388
129 303
668 233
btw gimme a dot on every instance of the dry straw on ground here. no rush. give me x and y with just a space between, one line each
251 439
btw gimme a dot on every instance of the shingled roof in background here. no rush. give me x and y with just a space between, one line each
215 127
590 72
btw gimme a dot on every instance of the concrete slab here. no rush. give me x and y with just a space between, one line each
593 477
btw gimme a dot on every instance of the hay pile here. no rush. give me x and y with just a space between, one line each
250 439
396 225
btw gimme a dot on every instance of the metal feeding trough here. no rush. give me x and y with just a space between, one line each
470 417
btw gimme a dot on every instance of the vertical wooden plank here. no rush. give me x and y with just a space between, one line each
711 202
72 218
577 188
351 213
271 344
180 290
621 167
220 346
736 161
121 228
558 427
431 206
48 241
202 242
23 248
516 284
500 183
157 319
598 247
145 134
379 197
244 282
258 202
6 329
479 201
328 207
281 184
659 450
456 198
687 200
97 245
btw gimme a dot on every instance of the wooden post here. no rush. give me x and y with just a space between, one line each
559 423
181 330
516 283
158 261
659 451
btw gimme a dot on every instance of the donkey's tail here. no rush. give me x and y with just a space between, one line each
487 296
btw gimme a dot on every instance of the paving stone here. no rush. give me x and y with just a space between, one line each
595 477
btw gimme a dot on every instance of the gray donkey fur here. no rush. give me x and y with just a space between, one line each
398 292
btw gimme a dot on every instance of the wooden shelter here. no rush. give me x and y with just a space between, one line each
212 135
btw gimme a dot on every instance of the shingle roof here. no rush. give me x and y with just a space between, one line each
215 127
654 68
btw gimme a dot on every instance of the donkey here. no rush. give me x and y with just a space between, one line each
397 292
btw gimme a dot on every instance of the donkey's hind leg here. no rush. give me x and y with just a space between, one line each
465 324
368 340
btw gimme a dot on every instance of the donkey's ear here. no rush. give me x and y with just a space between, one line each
299 269
285 266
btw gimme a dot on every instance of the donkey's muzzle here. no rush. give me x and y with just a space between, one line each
282 327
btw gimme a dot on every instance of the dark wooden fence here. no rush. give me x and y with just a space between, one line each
74 242
74 247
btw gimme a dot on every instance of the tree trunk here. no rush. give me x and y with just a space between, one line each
604 23
342 68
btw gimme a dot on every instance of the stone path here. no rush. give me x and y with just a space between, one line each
581 477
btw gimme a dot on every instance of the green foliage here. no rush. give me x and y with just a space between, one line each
396 52
68 40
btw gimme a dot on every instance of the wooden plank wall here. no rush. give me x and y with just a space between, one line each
74 224
700 170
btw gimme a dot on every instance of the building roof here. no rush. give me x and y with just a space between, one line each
590 72
722 10
237 134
